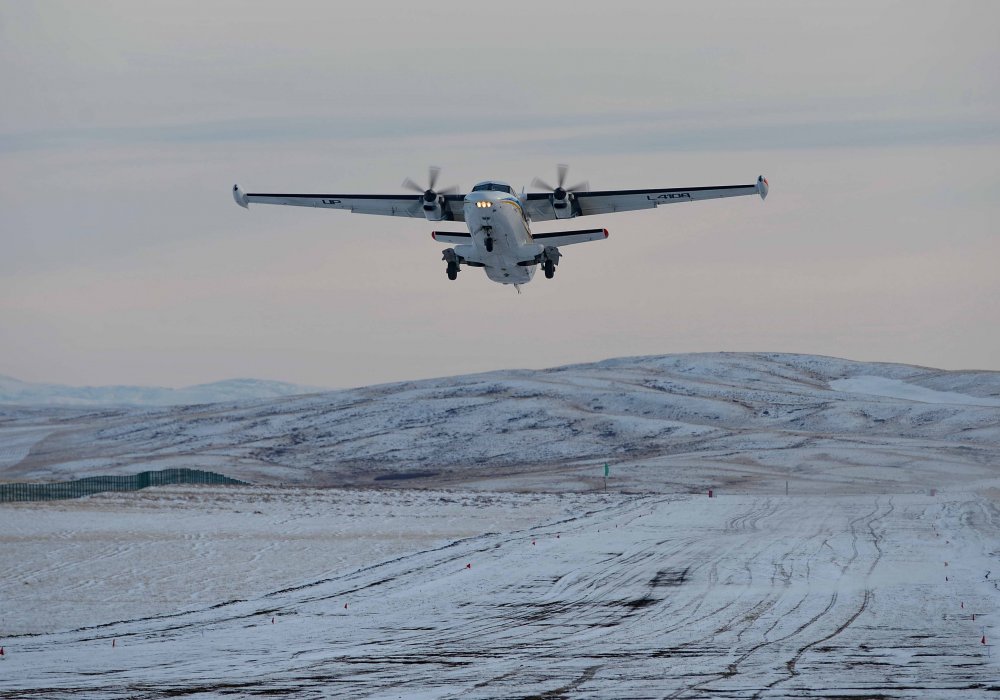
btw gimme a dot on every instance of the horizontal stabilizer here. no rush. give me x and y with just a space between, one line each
559 238
451 236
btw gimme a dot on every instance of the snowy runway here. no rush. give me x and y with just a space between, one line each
642 596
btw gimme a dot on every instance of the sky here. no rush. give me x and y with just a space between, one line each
124 260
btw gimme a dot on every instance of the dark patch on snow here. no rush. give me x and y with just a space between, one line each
401 476
640 603
669 577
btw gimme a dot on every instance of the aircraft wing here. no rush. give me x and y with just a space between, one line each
540 204
382 204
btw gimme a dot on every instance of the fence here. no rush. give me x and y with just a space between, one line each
97 484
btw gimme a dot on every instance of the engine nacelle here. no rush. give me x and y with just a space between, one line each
563 204
433 206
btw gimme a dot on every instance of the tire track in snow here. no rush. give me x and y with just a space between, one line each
575 616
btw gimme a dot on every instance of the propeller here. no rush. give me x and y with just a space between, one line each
430 194
560 191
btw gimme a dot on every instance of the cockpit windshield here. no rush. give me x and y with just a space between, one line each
493 187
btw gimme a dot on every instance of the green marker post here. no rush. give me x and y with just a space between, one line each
606 472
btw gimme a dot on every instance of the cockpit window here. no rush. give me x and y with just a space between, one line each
493 187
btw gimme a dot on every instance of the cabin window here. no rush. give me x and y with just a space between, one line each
493 187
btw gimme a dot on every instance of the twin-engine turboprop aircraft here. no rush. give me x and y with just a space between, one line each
499 238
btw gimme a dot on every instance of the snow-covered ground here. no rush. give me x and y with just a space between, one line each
897 389
94 560
637 596
503 569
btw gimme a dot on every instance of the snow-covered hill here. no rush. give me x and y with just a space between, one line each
14 391
733 419
875 576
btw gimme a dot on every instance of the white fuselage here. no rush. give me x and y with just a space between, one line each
499 216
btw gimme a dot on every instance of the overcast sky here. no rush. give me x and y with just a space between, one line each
123 258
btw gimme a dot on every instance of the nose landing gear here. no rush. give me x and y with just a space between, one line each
488 240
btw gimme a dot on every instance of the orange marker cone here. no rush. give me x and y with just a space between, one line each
272 620
468 566
963 606
532 542
1 651
345 606
983 640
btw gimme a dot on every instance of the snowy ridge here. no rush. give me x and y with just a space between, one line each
730 413
896 389
14 391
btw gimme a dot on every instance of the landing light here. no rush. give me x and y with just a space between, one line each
482 205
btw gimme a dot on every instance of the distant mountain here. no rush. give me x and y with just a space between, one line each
14 391
734 418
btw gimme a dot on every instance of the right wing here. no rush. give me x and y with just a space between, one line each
541 204
382 204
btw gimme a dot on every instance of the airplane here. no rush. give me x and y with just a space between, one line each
499 238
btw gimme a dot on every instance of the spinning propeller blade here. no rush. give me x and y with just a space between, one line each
560 190
430 193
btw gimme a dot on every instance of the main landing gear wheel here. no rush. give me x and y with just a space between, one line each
452 271
489 244
550 269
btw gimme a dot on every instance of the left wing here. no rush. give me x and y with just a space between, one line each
541 204
382 204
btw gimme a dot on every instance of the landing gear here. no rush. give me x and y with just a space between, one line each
549 259
487 237
451 257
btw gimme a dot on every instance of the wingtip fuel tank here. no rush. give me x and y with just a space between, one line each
240 197
762 186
